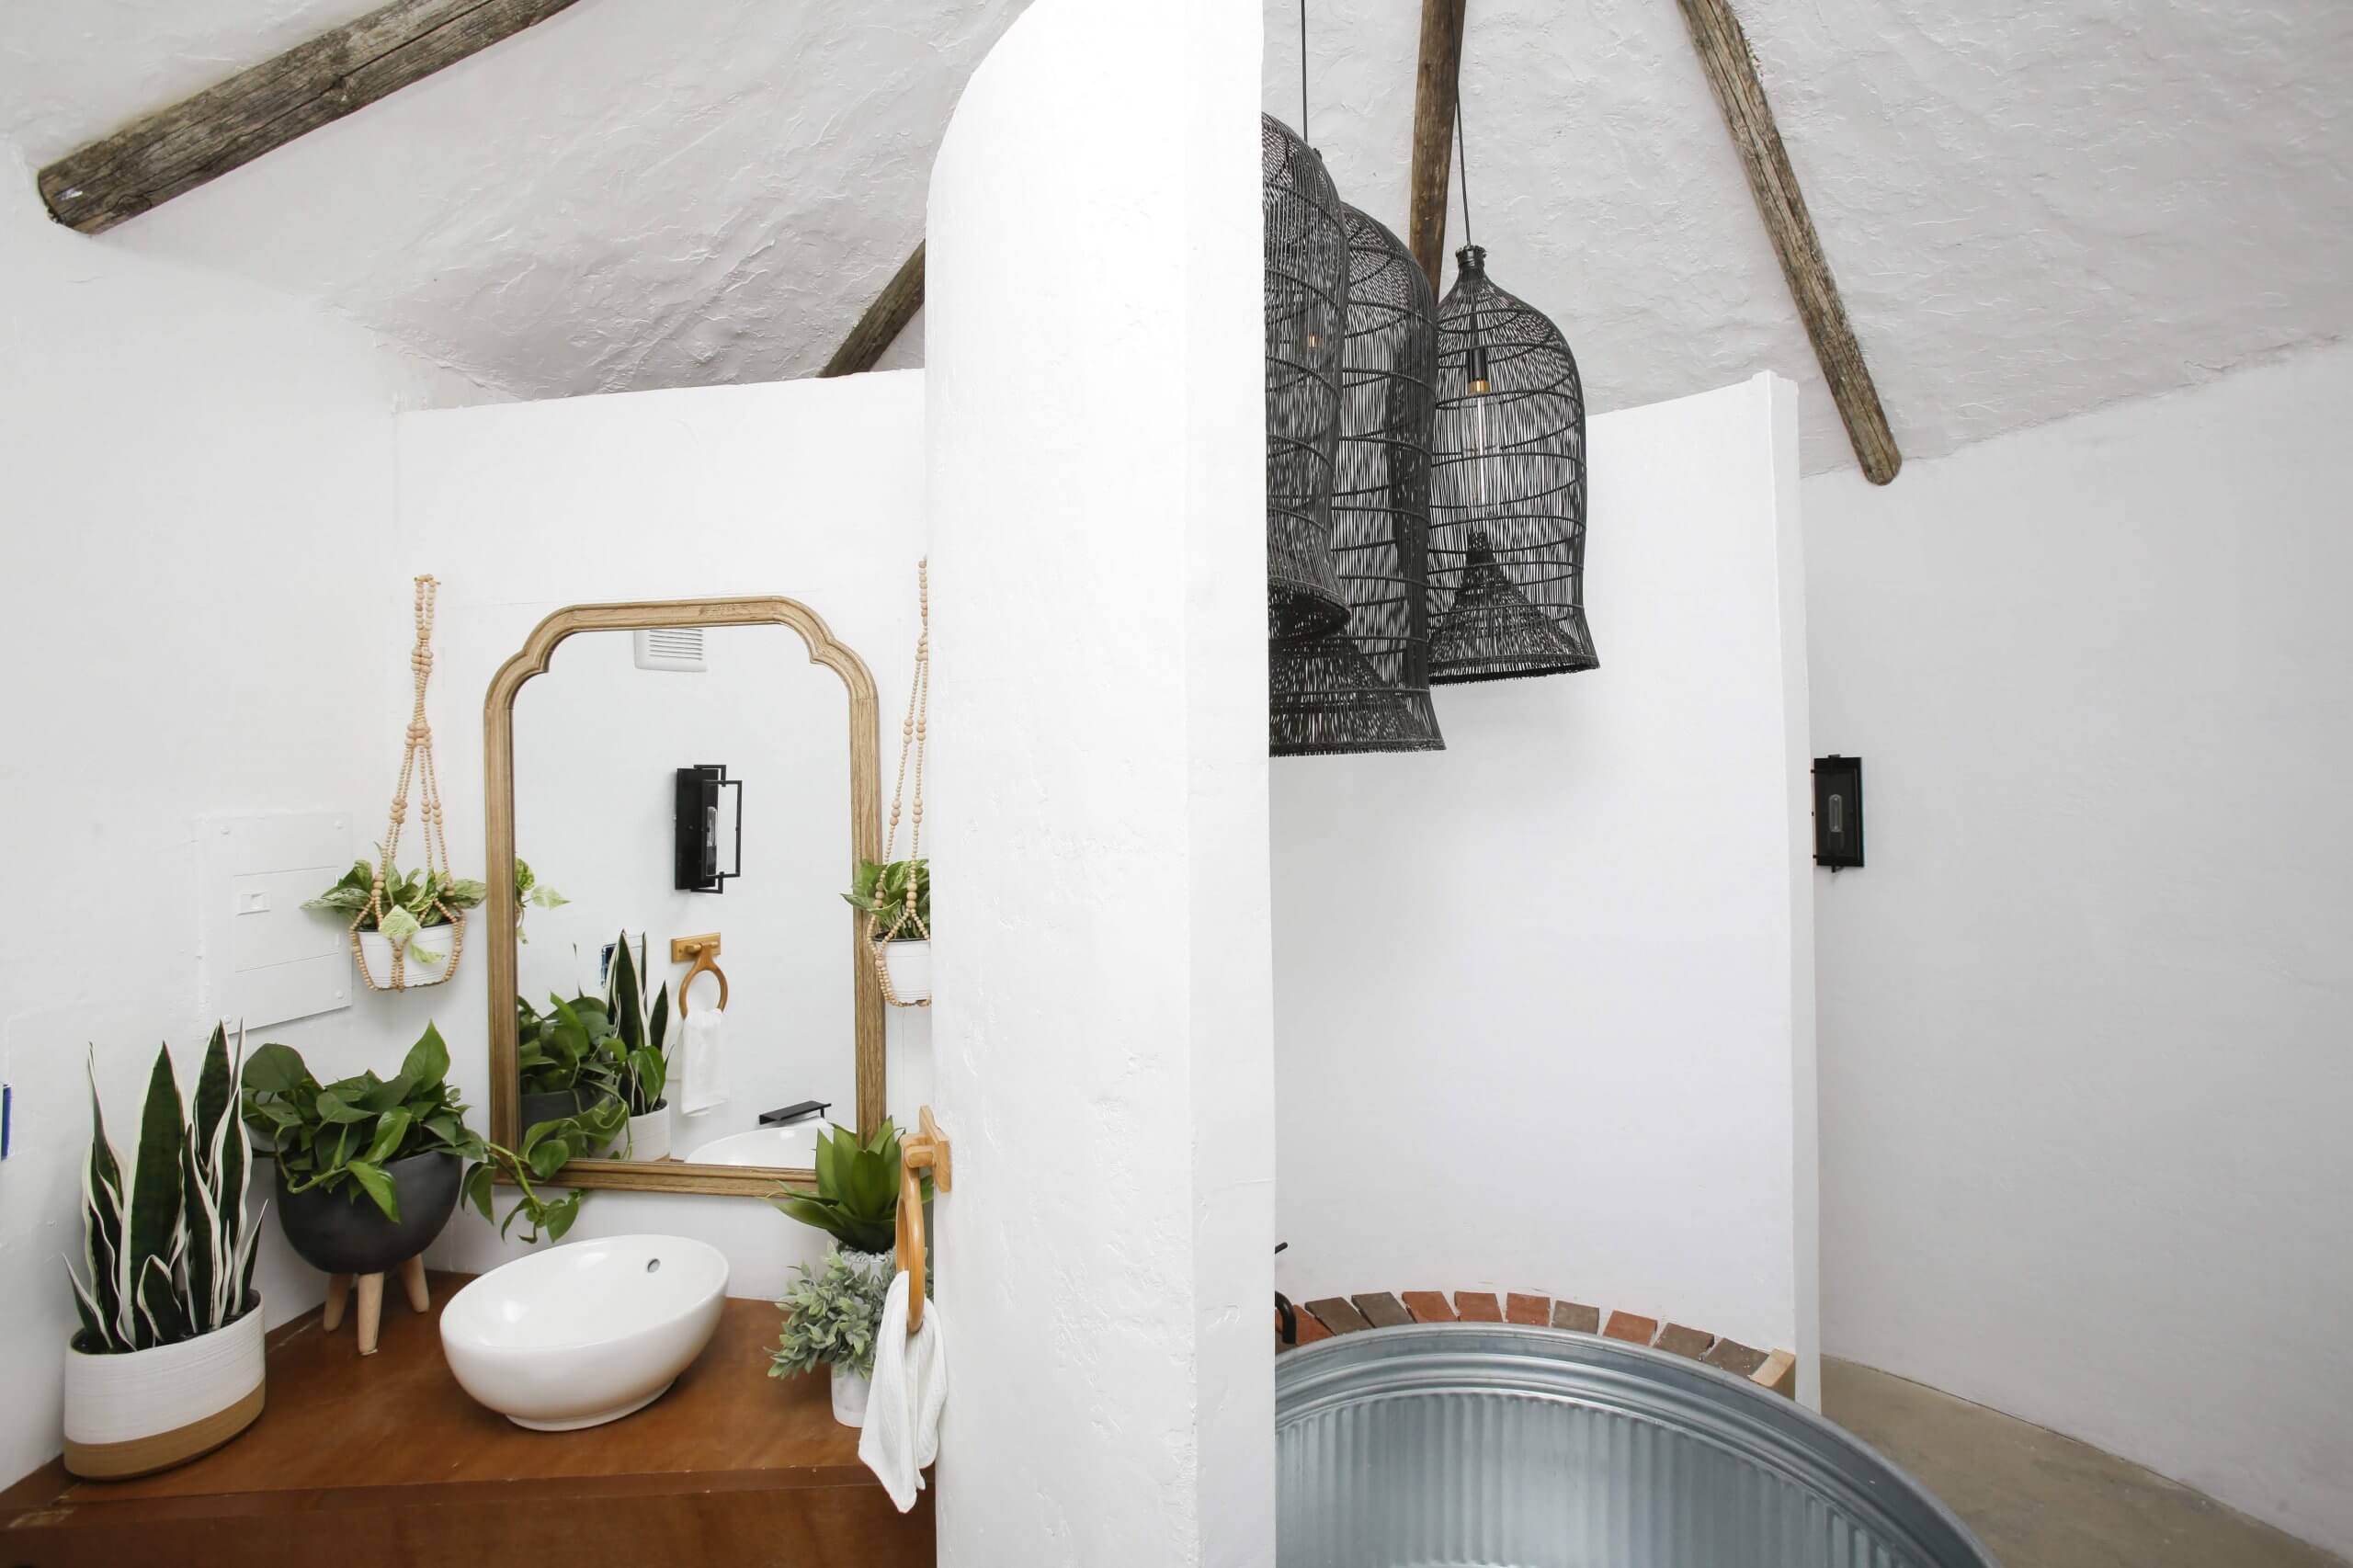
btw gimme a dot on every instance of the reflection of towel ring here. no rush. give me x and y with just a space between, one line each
704 952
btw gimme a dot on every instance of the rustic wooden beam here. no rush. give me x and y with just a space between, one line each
1732 72
883 321
1436 79
264 107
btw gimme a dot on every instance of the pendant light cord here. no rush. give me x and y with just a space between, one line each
1302 74
1462 151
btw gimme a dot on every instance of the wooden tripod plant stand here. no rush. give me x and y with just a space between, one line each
371 1300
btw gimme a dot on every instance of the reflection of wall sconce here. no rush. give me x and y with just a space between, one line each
697 828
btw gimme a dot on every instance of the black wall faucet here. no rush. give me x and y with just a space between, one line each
788 1115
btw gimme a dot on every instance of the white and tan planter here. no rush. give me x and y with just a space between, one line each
909 966
649 1136
148 1410
416 971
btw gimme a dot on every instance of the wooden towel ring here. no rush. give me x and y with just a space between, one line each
703 953
919 1150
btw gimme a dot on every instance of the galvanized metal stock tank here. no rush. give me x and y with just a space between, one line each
1530 1448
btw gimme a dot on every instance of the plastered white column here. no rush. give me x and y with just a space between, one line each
1103 1002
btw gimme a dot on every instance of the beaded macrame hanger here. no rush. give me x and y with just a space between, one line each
419 751
911 744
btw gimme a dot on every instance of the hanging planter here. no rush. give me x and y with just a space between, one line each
1507 490
1364 686
893 896
407 930
1306 299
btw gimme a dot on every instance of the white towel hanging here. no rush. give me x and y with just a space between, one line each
902 1431
706 1065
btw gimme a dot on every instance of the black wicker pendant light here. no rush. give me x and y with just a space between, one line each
1306 309
1507 487
1364 686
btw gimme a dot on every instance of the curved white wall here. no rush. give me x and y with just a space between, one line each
1544 999
2087 1015
1099 714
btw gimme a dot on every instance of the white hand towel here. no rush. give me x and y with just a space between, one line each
902 1431
706 1076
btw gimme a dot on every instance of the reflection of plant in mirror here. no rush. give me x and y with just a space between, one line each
633 1044
881 891
342 1135
532 893
857 1199
411 902
565 1048
831 1313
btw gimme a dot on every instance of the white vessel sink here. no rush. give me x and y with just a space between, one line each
793 1147
585 1333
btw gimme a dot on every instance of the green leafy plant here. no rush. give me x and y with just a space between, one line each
881 891
413 901
565 1047
856 1197
340 1136
530 893
170 1255
831 1315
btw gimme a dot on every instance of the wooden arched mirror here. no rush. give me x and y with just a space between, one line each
680 771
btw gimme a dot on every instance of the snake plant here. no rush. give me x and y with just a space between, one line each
168 1254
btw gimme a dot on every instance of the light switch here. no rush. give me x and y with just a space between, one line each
253 901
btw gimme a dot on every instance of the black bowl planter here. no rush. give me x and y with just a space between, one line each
344 1232
554 1105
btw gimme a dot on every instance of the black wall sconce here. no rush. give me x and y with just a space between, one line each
697 828
1837 811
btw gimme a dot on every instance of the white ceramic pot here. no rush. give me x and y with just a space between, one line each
910 967
649 1136
149 1410
850 1391
417 970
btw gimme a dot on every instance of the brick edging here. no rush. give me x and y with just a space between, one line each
1321 1319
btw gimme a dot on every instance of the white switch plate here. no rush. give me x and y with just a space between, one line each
266 958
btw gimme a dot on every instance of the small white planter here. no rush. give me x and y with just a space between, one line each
910 967
149 1410
649 1136
417 970
850 1393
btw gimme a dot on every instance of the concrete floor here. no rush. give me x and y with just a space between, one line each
2039 1500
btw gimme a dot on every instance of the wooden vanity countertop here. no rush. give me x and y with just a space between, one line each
384 1461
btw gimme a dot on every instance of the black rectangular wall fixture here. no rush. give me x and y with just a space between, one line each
696 855
1838 812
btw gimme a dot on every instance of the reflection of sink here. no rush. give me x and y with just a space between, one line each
793 1147
587 1333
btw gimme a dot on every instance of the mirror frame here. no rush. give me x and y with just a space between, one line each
499 808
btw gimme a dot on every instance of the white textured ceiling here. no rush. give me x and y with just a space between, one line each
2032 205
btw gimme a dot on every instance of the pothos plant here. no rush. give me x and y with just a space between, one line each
416 901
881 890
168 1250
413 901
613 1045
340 1136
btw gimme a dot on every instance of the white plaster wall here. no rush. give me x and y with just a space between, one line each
197 616
1543 998
2085 1013
810 489
1103 1009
